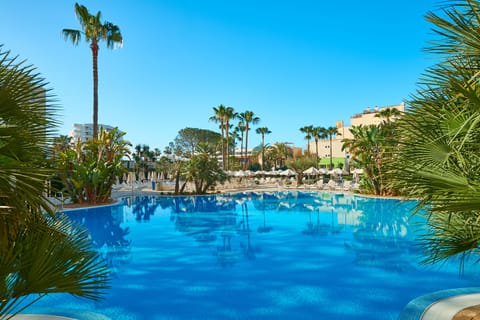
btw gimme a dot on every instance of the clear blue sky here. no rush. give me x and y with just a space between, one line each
292 62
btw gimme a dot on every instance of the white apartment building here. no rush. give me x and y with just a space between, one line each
83 132
367 117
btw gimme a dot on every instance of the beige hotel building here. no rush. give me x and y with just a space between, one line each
367 117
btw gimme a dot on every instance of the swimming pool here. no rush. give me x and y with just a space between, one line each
273 255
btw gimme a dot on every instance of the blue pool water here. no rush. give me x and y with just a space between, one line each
282 255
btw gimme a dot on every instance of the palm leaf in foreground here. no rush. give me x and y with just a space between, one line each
40 253
49 256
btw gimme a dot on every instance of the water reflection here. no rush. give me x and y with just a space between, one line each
383 238
376 232
106 233
248 250
144 207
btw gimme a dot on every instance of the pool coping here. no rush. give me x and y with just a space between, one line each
116 202
39 317
426 307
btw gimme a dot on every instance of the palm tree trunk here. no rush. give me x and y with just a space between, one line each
228 145
331 161
241 149
94 47
246 147
316 151
177 182
222 129
263 151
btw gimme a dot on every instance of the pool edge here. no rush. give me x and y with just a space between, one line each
418 307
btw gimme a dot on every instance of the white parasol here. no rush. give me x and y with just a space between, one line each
311 171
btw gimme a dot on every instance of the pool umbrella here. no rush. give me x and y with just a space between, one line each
288 172
322 171
239 173
311 171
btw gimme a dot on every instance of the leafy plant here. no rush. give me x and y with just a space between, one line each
438 159
89 169
40 252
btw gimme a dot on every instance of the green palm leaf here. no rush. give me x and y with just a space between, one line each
438 160
39 254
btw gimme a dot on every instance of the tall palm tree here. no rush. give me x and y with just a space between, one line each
280 151
60 145
230 114
248 117
94 31
41 252
330 132
234 138
318 133
388 114
263 131
241 128
307 130
219 114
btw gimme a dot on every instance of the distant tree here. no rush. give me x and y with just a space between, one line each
388 114
241 128
94 31
263 131
202 169
279 152
248 117
196 144
219 116
331 132
164 164
299 165
318 133
230 114
188 139
144 159
138 152
235 137
307 130
60 144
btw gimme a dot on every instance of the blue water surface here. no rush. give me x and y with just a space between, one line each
272 255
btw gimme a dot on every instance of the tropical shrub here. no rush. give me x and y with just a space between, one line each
194 159
89 169
301 164
372 148
203 171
